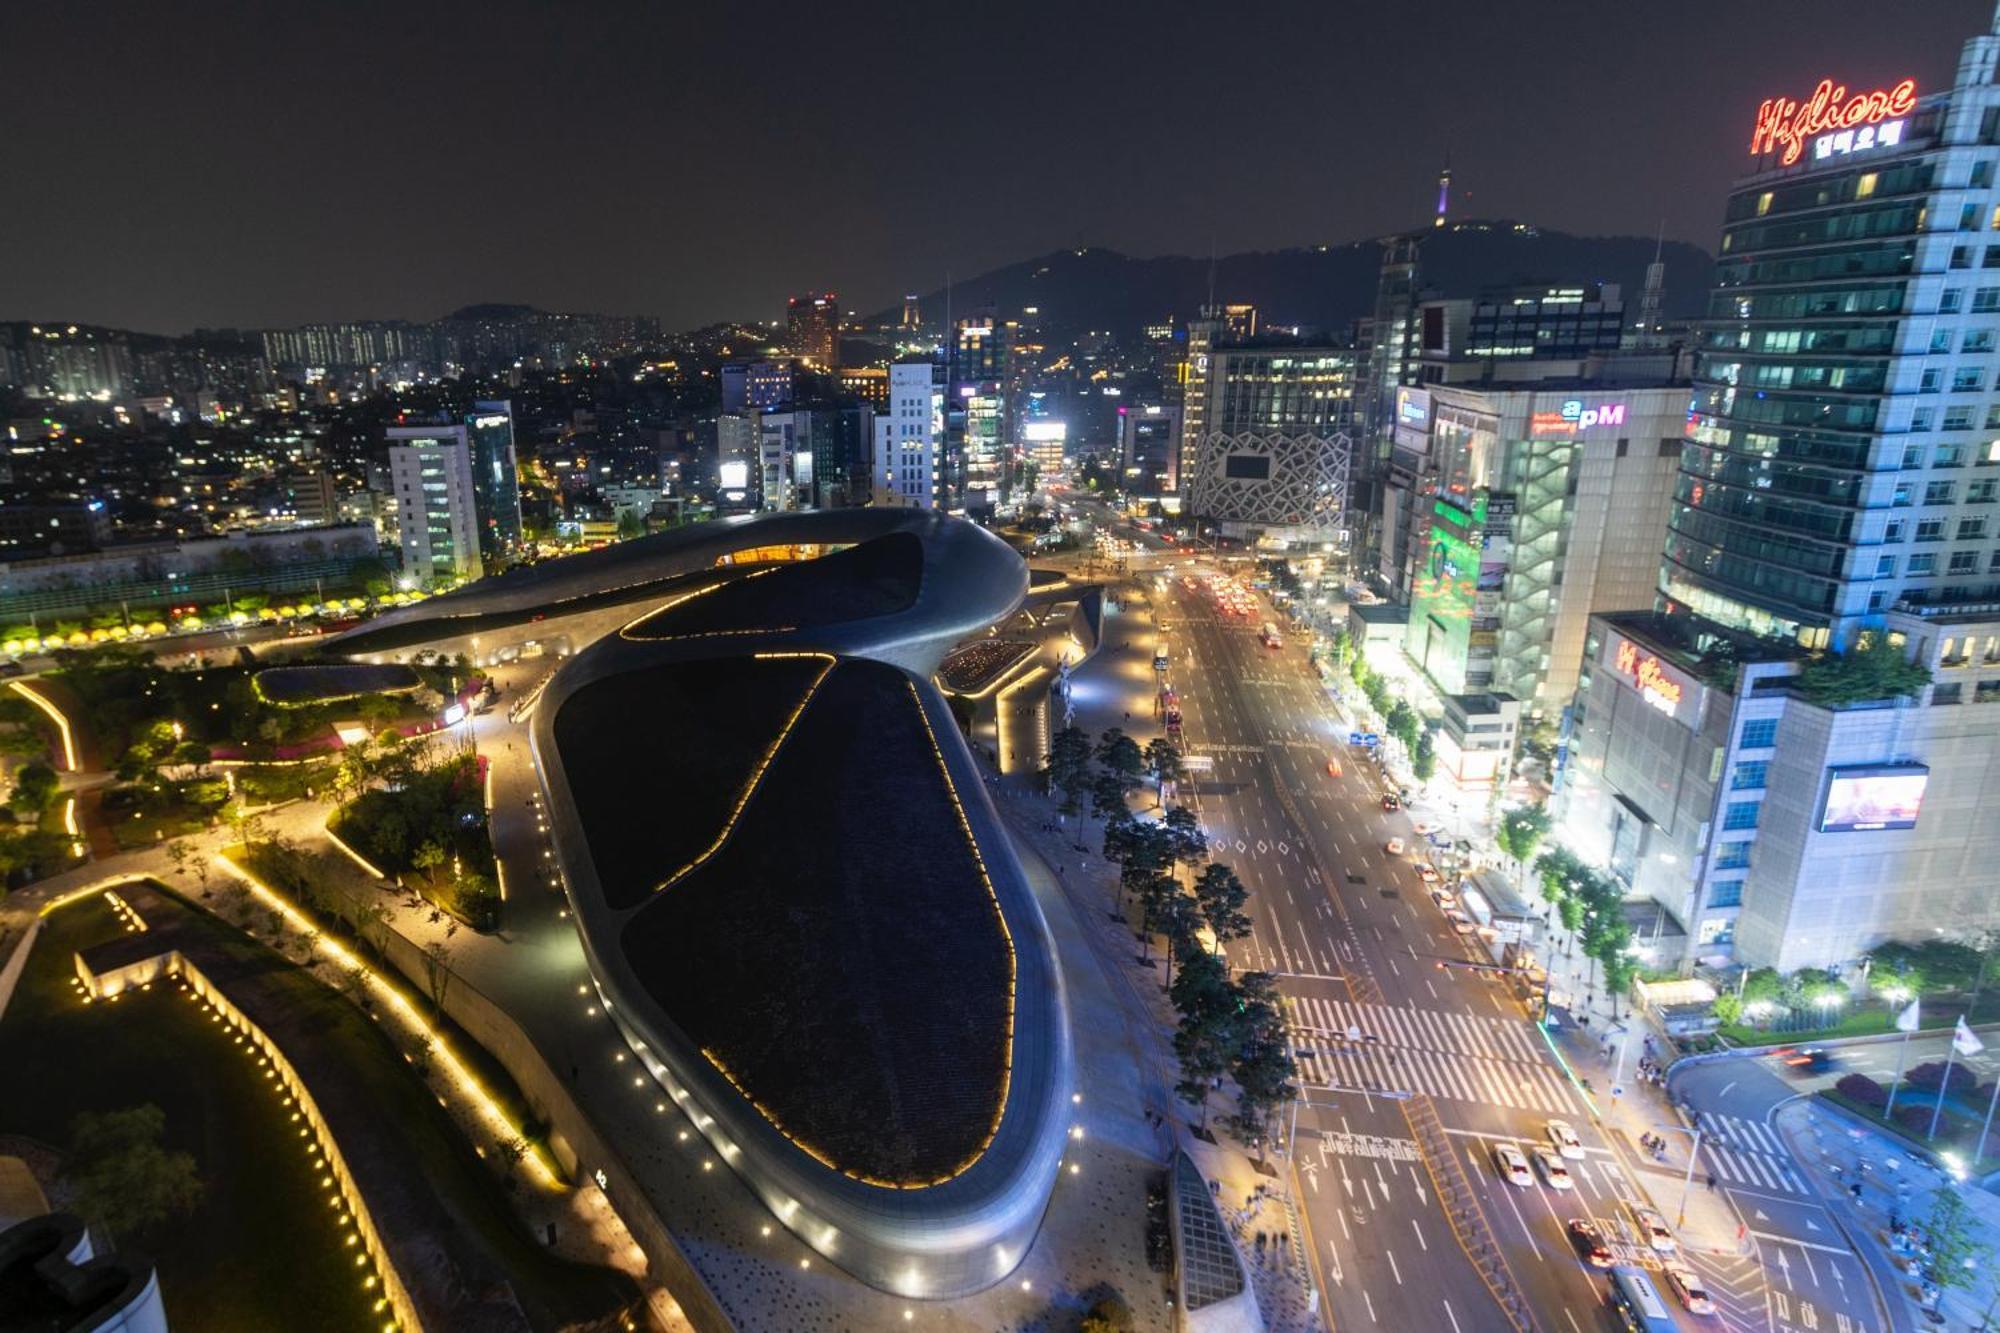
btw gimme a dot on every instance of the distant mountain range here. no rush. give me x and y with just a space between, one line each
1323 287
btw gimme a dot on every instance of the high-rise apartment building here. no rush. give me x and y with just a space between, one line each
1838 495
812 329
430 471
908 436
495 481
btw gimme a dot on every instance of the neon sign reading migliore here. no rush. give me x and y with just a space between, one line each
1784 122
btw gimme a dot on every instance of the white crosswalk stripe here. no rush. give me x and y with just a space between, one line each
1460 1057
1744 1152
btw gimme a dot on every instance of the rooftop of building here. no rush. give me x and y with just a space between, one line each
1698 645
1379 613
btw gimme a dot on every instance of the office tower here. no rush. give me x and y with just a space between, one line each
738 461
1736 757
1550 340
1272 458
495 482
1444 195
976 420
755 384
812 329
1149 456
913 317
1537 504
1216 324
430 469
908 434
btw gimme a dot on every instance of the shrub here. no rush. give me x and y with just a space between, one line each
1930 1077
1914 1118
1863 1089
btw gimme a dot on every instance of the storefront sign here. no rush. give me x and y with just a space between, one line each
1574 416
1830 112
1649 676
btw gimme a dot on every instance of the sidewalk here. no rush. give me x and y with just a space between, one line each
1708 1220
1835 1152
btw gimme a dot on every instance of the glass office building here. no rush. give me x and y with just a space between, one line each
1845 454
495 486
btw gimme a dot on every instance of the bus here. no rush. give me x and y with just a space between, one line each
1636 1302
1272 639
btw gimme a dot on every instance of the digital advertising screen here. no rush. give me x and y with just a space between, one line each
1866 799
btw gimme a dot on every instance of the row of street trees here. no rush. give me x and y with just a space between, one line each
1398 718
1229 1026
1591 908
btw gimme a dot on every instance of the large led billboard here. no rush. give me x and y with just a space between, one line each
1879 797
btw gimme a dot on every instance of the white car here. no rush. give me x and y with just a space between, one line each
1553 1171
1427 872
1394 846
1422 829
1443 898
1512 1166
1460 922
1652 1228
1565 1140
1688 1288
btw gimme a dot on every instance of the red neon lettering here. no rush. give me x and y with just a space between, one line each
1784 123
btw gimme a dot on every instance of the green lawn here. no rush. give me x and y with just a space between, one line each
257 1251
251 1225
1862 1023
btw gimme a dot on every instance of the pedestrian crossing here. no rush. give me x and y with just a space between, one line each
1423 1029
1458 1057
1747 1153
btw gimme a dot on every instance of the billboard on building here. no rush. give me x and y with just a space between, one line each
1883 796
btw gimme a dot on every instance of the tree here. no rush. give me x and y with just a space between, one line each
1870 670
1121 756
1401 722
1145 853
1261 1063
1068 769
1956 1250
123 1176
35 786
194 754
1521 831
1107 798
427 857
1621 969
1163 761
1424 760
1206 1034
1178 917
1156 891
437 972
1187 844
1221 897
1728 1009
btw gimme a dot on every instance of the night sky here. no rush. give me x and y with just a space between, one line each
218 164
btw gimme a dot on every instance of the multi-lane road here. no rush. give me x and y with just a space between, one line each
1386 1037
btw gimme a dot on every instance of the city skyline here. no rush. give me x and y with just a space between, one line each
271 190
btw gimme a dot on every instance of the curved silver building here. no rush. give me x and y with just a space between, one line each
795 897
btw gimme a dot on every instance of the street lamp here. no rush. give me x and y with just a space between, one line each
1687 1179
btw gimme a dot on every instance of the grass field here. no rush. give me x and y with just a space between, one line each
260 1253
261 1246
